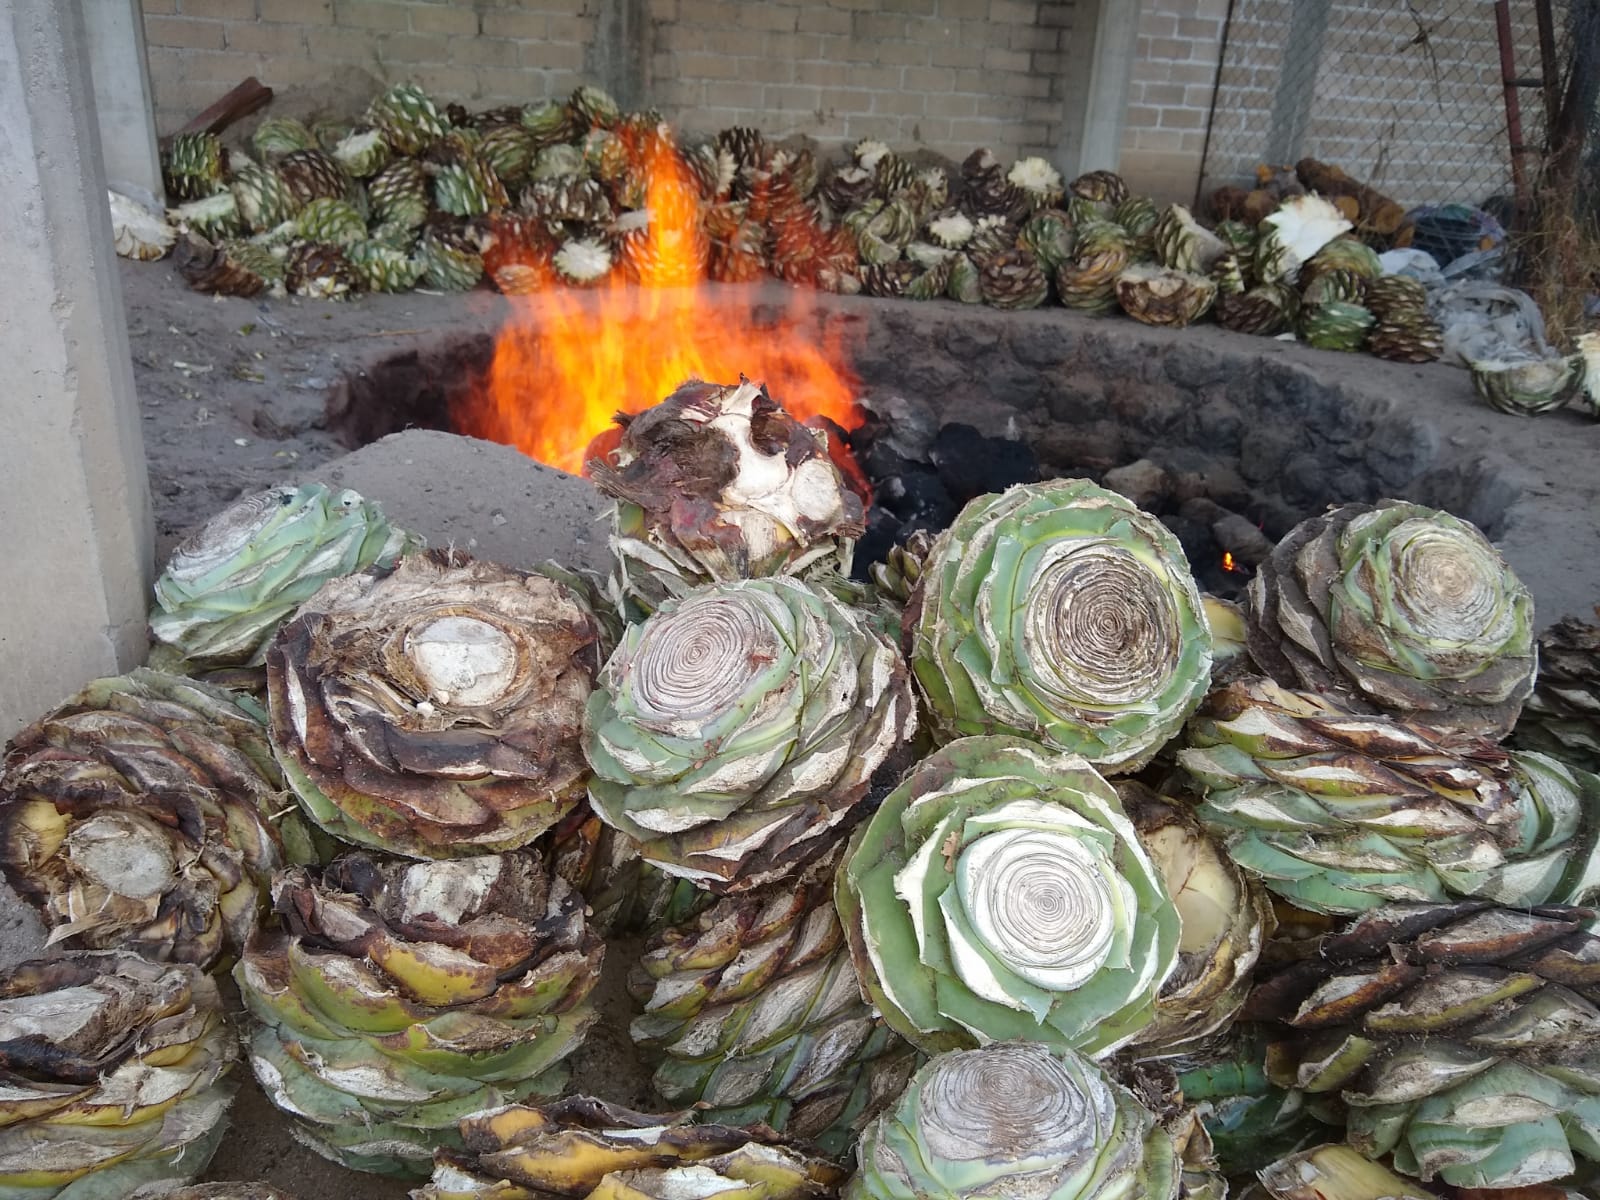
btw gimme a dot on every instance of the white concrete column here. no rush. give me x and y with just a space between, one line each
122 99
1100 51
76 532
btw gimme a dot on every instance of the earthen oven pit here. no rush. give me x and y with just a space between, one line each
1230 439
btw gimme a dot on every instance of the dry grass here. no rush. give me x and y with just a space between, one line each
1558 258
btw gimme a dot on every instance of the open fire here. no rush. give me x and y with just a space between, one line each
568 361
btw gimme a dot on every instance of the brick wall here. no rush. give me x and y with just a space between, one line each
1169 95
947 74
336 53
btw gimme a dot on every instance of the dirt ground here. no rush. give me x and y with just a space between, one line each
232 394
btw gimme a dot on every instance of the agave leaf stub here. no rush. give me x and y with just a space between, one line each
581 1146
115 1074
1460 1037
1407 608
230 585
754 1009
435 712
1015 1118
718 483
145 814
1060 612
736 729
1000 892
403 996
1339 811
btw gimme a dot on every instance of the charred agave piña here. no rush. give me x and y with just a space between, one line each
115 1074
1461 1038
435 711
146 813
718 483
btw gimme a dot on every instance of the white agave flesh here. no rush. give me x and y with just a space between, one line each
1303 225
462 661
1043 905
583 259
136 232
1035 175
453 890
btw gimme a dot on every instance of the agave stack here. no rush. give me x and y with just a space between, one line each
1088 282
1159 296
400 997
737 728
1525 386
145 814
434 712
718 483
1012 279
193 166
1015 1118
1182 244
1059 611
1405 608
116 1075
1000 892
451 260
407 119
754 1011
235 268
1562 716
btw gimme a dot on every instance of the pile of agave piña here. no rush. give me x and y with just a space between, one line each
575 193
1024 868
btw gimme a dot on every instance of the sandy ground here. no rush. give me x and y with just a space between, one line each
232 395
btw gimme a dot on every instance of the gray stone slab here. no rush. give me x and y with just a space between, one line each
477 496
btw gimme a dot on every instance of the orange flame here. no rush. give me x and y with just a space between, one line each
568 361
1227 561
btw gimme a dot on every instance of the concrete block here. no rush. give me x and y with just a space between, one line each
189 32
444 18
77 535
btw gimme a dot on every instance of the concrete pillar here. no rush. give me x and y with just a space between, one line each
122 99
1100 51
619 58
76 532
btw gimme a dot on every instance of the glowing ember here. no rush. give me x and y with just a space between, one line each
1227 561
568 361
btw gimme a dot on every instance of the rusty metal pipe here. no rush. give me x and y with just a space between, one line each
1508 81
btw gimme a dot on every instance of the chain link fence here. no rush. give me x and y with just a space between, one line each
1404 95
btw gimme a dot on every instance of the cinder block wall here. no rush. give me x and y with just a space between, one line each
948 74
1169 95
945 74
335 53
